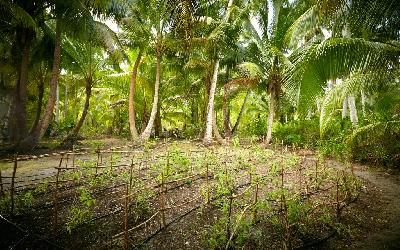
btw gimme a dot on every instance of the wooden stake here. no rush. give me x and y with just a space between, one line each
56 203
337 195
255 204
316 173
208 186
130 177
126 217
162 202
111 163
98 158
13 182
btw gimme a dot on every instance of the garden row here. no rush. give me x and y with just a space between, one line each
130 204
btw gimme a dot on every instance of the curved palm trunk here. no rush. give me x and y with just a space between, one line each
72 137
32 140
147 131
234 129
210 110
132 120
18 112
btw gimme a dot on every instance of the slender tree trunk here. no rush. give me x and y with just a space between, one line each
132 120
274 6
353 110
210 110
235 127
157 122
58 103
271 113
18 108
39 104
32 140
147 131
72 136
344 108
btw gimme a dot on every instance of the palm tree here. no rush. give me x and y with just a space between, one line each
20 19
68 16
87 59
216 37
269 47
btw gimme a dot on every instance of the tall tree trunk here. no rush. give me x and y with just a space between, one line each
72 136
58 103
132 120
39 103
344 108
207 140
271 112
157 122
18 109
32 140
235 127
147 131
353 110
274 6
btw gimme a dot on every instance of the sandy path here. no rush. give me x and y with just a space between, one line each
386 206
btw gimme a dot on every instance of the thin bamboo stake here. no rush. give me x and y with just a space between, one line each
255 204
55 200
337 195
111 163
126 217
208 185
131 177
162 200
12 183
98 158
316 173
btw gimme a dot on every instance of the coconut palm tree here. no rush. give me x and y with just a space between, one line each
67 17
19 23
269 47
88 60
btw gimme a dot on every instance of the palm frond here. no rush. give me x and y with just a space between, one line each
333 58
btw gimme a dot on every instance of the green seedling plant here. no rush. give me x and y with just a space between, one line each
42 187
81 215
